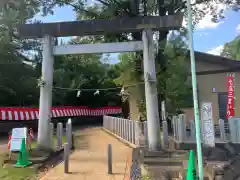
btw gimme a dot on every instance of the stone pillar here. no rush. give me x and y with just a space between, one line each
59 134
45 103
137 132
192 130
51 131
222 130
151 91
232 129
165 134
174 126
69 132
237 121
182 128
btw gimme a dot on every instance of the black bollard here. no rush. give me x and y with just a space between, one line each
109 159
66 157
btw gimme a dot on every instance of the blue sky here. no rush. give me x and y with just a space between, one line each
209 37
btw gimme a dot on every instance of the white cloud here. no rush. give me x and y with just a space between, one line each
217 50
206 22
238 28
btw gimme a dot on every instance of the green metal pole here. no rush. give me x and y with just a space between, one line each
194 88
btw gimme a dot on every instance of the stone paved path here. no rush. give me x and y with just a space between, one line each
89 161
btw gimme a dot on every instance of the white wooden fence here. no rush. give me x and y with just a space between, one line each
132 131
136 133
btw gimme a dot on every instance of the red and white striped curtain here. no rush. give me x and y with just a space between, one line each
16 113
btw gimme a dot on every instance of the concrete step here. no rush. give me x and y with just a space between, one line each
167 154
183 174
162 161
157 172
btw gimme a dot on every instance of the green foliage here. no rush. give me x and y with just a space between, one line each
232 49
178 91
18 81
85 71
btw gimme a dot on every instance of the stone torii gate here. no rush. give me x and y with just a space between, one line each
147 24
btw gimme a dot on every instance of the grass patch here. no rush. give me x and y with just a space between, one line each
9 172
64 140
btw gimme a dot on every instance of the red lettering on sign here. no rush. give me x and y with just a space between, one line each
230 97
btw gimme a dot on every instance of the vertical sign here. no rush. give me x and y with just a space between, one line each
207 125
230 97
163 111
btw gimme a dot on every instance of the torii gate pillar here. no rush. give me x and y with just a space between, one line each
45 104
151 91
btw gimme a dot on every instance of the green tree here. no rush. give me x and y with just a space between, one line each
232 49
179 90
17 79
86 71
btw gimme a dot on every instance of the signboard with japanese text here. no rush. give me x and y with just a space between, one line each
16 140
208 134
230 97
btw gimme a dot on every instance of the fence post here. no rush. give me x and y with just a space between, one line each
109 159
237 129
66 157
222 130
137 133
145 133
192 130
51 131
165 134
174 125
233 129
133 131
130 131
69 132
124 129
117 126
59 134
103 121
121 128
114 125
182 127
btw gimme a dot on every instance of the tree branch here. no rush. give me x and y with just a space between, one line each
181 6
103 2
